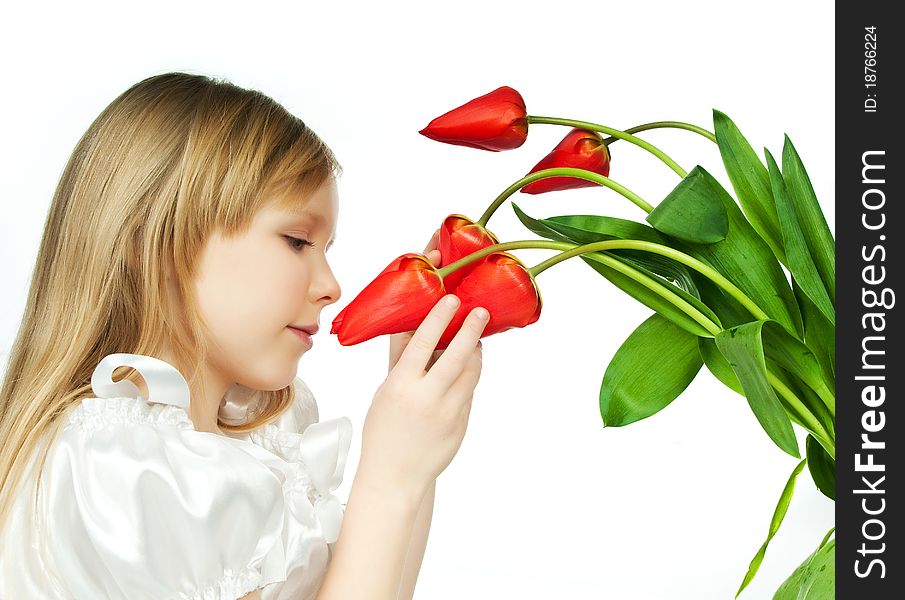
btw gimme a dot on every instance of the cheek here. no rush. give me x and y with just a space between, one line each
282 280
240 286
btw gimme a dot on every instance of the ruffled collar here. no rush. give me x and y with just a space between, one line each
121 401
95 413
313 459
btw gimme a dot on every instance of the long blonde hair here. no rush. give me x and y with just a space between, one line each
172 159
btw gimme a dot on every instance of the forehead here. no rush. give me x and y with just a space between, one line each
304 212
319 206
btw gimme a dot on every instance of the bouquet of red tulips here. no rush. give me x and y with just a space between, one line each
746 288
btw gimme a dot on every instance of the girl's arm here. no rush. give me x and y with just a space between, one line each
416 545
369 555
255 595
413 429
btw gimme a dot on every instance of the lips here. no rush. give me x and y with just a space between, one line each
309 329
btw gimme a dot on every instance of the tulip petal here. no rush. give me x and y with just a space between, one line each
502 285
459 237
397 300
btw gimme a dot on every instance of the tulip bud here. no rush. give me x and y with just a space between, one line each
397 300
501 284
495 121
459 237
580 149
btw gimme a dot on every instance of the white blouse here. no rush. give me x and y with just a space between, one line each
136 504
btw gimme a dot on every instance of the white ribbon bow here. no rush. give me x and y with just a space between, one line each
164 382
323 449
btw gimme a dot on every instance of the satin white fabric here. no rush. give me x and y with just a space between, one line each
137 504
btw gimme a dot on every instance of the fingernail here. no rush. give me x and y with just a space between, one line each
452 300
482 314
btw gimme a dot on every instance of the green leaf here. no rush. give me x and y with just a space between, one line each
750 180
746 261
743 348
789 382
718 365
822 467
810 216
649 370
814 579
543 229
629 275
584 229
587 229
730 312
652 291
795 357
693 211
778 515
813 403
801 264
819 334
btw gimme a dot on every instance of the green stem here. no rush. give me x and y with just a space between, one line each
560 172
479 254
661 290
793 403
573 250
680 257
622 135
662 124
570 250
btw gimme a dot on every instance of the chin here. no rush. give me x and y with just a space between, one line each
275 378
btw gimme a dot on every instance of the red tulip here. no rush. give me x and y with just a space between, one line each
397 300
580 149
501 284
459 237
403 294
495 121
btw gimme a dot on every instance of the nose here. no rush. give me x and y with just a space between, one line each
325 288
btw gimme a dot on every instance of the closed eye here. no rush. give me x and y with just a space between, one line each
298 243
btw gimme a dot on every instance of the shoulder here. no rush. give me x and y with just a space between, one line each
135 492
143 436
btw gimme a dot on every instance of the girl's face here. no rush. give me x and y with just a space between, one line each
252 287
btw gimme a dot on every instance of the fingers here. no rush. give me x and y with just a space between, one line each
431 251
424 341
434 243
398 342
464 386
457 356
434 257
434 356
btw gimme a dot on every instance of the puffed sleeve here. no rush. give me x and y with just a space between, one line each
144 506
313 455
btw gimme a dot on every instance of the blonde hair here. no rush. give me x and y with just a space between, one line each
172 159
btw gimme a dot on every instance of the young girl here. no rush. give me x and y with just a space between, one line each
154 441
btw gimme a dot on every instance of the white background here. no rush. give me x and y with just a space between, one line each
541 501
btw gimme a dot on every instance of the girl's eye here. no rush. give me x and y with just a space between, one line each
298 243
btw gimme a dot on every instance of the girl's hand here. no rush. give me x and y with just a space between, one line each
398 341
418 417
